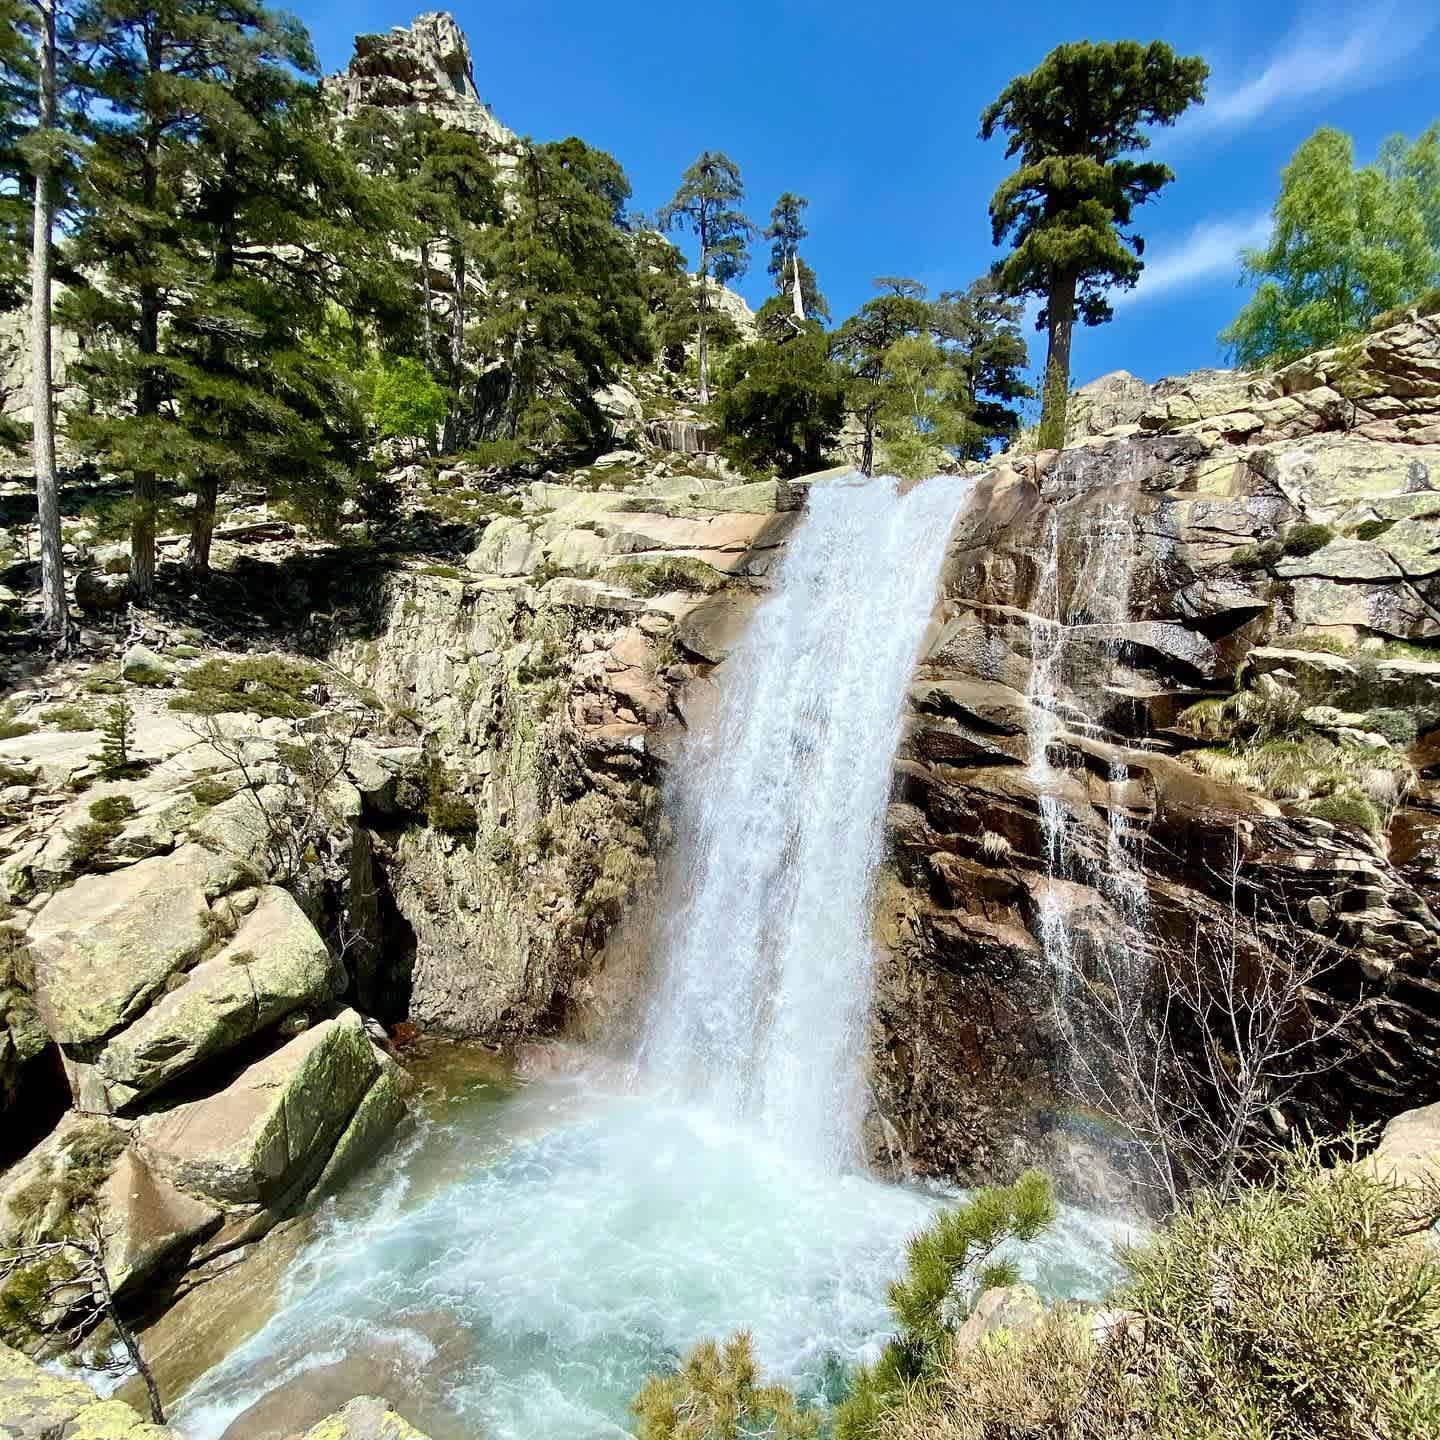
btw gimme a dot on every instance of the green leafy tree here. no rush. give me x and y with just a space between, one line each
922 418
948 1265
979 331
1067 209
708 203
1346 245
781 406
404 400
716 1395
1419 163
862 344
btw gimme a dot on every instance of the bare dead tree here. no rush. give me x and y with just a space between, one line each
298 815
77 1295
1193 1051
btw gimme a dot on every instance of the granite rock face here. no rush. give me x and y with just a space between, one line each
425 65
1091 598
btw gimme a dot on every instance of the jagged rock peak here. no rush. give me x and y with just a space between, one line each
425 65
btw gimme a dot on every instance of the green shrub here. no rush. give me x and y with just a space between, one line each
1324 644
445 809
10 727
1306 539
501 850
672 572
403 400
1301 1309
89 842
1399 727
715 1395
1347 807
266 685
208 791
1250 557
1372 529
72 718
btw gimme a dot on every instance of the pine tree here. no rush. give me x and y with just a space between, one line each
781 406
979 331
862 345
785 232
1073 121
707 202
117 735
173 87
459 181
564 307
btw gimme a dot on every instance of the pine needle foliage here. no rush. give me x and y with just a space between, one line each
716 1395
948 1265
1300 1309
117 736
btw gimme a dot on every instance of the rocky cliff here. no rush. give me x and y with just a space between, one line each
424 66
1196 648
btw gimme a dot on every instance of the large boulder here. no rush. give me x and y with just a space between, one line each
107 946
364 1418
1409 1149
268 1136
38 1405
275 963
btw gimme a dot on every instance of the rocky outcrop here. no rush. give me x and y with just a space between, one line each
1228 543
545 683
37 1405
425 65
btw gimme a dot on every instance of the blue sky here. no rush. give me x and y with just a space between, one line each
871 111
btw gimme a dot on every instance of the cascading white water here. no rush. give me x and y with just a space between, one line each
520 1265
1102 580
762 1007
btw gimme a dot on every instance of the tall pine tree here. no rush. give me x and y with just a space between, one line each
708 203
1074 120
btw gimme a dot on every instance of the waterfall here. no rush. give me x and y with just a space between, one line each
1075 643
761 1008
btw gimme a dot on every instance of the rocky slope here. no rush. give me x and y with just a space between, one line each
1198 549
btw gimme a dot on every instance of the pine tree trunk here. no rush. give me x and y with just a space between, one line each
147 393
56 618
1056 396
704 309
451 442
202 524
796 293
867 449
425 302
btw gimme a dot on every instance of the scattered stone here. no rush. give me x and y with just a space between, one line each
142 666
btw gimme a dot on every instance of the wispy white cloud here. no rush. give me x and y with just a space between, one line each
1210 249
1323 56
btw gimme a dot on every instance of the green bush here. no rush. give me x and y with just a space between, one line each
208 791
10 727
266 685
1347 807
672 572
1399 727
1302 1309
72 718
1306 539
446 809
1250 557
1372 529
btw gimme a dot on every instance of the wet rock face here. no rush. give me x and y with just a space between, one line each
1209 518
